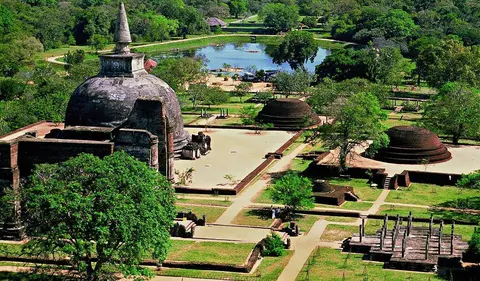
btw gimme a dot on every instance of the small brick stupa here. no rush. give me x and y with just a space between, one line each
288 113
326 193
413 145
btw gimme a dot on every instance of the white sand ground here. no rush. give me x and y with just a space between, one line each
465 159
240 234
234 152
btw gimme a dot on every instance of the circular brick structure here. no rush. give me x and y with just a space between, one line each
413 145
288 113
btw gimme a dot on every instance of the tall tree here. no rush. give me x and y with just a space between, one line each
292 190
178 72
237 7
454 112
100 213
449 61
357 119
296 82
297 48
279 17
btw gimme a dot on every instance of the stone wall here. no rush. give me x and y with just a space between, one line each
34 151
140 144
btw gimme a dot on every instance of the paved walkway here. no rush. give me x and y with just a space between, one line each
303 246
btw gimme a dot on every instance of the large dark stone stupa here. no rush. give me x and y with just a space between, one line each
413 145
108 99
288 113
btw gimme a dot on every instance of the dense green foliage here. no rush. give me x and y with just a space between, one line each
471 180
454 112
279 17
358 119
99 213
293 191
274 245
296 48
177 72
474 243
288 83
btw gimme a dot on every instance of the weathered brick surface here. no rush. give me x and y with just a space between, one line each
34 151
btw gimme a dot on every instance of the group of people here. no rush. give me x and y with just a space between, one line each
275 212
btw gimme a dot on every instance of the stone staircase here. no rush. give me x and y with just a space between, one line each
386 184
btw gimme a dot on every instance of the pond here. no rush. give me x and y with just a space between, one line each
243 55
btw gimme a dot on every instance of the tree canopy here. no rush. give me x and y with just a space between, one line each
357 119
454 112
101 213
292 190
296 48
279 17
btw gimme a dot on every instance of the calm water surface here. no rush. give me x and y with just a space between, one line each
243 56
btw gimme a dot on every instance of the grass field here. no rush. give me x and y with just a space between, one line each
434 195
254 217
269 270
211 252
212 213
209 202
331 264
264 198
360 187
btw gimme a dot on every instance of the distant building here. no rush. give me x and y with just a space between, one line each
216 22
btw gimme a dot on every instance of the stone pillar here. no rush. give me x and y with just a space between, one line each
404 243
427 246
430 224
440 242
360 235
409 225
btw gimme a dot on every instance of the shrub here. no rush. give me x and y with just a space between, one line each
474 243
274 246
471 180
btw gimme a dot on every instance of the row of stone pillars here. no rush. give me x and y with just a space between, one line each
408 232
223 113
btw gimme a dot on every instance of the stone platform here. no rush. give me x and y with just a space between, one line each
410 247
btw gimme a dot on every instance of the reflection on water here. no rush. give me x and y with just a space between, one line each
243 55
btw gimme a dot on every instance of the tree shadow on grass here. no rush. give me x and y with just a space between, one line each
459 215
463 203
263 214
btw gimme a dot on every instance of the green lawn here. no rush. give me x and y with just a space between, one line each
269 270
331 264
212 213
254 217
360 206
349 205
189 118
209 202
305 222
211 252
360 187
434 195
335 232
299 165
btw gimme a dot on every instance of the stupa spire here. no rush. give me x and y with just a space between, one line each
122 32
